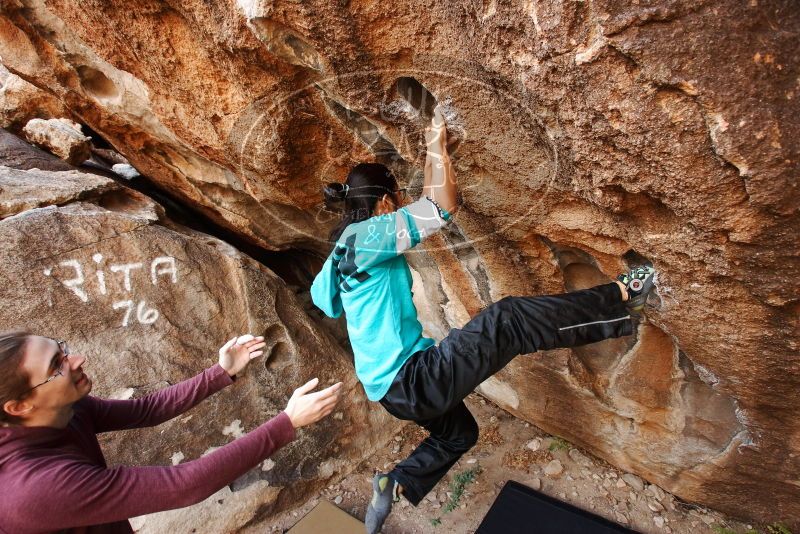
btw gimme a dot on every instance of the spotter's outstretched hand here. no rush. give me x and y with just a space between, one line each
305 407
237 353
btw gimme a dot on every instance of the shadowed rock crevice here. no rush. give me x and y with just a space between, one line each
368 132
295 266
278 352
470 259
634 259
285 43
373 138
429 299
279 356
125 201
416 95
97 84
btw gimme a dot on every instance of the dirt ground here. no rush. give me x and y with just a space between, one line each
510 449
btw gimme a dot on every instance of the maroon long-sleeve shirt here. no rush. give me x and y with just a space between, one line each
57 479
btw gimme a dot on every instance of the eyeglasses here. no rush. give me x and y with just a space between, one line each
64 350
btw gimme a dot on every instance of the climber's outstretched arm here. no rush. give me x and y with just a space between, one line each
440 179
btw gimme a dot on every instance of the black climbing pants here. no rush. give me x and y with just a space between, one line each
431 386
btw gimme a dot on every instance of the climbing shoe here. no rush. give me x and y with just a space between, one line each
384 494
639 282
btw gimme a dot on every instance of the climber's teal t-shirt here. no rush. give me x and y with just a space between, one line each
367 277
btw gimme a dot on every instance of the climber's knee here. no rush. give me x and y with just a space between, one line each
467 438
502 309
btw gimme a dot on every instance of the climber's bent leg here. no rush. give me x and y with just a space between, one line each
451 435
434 380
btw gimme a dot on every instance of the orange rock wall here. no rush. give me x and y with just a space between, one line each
589 136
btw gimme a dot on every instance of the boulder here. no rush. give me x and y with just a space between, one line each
590 136
21 101
19 154
24 190
61 137
149 303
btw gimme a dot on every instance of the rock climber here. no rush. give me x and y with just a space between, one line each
52 471
367 278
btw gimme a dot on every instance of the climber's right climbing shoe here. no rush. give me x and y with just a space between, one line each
384 494
639 282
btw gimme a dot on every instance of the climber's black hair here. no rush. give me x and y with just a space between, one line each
364 187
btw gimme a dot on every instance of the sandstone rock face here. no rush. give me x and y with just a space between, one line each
17 154
589 136
61 137
21 101
24 190
149 305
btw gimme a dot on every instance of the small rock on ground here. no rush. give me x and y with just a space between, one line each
655 506
125 170
656 492
634 481
535 444
579 458
553 469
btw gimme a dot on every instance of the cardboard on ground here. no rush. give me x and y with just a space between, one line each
326 518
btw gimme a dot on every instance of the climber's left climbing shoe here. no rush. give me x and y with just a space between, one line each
639 282
384 494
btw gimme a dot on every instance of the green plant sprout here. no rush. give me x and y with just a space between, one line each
457 487
559 444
